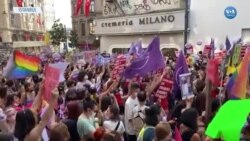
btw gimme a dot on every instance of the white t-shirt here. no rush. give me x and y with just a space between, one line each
128 115
137 109
111 125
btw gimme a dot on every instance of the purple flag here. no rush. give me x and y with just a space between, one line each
151 61
180 68
136 49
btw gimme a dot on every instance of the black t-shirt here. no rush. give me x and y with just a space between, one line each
72 128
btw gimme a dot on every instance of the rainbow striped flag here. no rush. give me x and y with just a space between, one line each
237 84
21 65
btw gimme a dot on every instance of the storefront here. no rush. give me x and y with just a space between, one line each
119 32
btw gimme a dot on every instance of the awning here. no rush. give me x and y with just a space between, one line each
21 44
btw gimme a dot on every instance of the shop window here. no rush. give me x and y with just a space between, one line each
83 29
170 52
120 50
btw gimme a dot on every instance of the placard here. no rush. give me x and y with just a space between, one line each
119 65
185 85
52 76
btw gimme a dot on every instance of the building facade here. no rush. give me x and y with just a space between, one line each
49 14
83 25
218 19
127 21
22 31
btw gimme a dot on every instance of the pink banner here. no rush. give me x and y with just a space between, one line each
52 76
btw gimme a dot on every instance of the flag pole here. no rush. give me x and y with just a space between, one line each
209 88
208 101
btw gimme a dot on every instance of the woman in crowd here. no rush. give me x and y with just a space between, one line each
114 123
59 133
147 133
27 125
189 126
73 112
86 124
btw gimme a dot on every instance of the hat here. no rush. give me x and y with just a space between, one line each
162 130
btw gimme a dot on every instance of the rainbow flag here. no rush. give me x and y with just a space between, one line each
237 85
21 65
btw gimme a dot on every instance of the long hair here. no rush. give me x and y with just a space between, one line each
25 122
114 110
59 133
73 110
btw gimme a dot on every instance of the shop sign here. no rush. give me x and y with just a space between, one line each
160 22
27 10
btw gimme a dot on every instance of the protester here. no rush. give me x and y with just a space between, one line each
86 124
109 101
131 102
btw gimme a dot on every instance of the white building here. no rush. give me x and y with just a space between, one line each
146 18
208 20
23 31
49 14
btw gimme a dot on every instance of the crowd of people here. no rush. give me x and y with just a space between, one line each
91 106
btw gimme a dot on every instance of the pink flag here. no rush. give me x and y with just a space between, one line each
177 134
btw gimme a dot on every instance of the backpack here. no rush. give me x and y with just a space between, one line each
138 122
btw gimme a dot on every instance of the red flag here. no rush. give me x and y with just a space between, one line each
177 134
78 6
19 3
87 7
212 72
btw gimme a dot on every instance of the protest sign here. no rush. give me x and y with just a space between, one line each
186 87
89 55
219 56
207 50
164 88
119 65
236 54
62 67
52 76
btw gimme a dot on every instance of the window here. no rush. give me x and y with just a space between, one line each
170 52
12 20
83 29
120 50
11 6
92 6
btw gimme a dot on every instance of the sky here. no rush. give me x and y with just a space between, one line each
63 11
